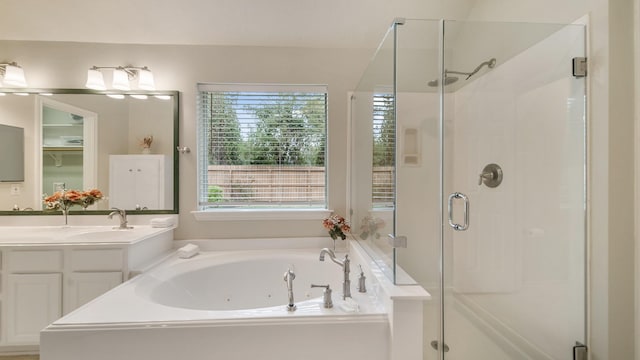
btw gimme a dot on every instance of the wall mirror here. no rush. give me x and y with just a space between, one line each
84 139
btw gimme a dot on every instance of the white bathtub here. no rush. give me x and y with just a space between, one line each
241 280
232 305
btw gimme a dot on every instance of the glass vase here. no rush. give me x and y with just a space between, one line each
65 213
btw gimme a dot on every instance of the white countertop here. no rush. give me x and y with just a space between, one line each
76 235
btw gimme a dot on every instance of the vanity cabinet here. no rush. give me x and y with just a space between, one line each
34 301
45 283
39 283
139 181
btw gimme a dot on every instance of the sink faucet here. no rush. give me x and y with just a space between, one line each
344 264
123 218
288 278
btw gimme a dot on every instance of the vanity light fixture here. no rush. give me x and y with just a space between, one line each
13 74
122 77
95 80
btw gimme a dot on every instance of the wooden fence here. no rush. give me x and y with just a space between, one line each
281 184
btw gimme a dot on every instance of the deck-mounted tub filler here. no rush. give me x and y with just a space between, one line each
237 305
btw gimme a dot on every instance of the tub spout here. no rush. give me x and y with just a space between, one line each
288 278
345 265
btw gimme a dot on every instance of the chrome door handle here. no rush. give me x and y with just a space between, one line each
465 199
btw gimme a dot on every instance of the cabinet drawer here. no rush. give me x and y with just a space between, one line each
97 260
34 260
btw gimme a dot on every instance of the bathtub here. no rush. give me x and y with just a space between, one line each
233 305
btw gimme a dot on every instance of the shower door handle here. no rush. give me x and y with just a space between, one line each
465 200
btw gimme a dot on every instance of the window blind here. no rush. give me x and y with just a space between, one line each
262 145
384 150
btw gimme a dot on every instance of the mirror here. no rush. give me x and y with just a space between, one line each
85 139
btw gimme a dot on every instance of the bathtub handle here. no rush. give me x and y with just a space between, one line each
326 295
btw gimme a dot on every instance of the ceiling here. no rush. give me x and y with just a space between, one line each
289 23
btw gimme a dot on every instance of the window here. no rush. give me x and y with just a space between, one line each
262 146
384 153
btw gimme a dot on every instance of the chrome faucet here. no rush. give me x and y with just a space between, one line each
344 264
123 218
288 278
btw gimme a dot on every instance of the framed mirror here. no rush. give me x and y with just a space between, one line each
121 143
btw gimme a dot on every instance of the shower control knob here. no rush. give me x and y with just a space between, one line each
491 175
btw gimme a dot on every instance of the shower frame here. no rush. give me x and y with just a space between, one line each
392 259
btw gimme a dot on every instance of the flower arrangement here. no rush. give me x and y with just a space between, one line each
337 226
370 227
146 142
64 199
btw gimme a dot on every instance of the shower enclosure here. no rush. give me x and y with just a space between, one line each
468 176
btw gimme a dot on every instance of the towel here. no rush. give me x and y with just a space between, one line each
162 222
188 251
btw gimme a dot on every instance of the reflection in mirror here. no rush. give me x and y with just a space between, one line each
83 139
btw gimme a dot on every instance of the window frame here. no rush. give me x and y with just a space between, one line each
282 212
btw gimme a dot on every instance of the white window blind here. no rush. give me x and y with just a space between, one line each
262 146
384 150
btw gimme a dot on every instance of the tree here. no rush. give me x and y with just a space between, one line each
289 131
225 141
384 130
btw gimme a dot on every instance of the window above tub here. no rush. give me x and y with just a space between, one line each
262 151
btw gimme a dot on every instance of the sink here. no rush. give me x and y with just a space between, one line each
109 235
75 234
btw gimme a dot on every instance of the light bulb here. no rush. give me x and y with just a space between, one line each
95 80
116 96
145 79
14 75
139 96
120 79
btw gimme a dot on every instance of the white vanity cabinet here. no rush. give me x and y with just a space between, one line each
45 283
41 282
140 181
34 301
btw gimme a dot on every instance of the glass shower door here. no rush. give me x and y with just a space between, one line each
513 191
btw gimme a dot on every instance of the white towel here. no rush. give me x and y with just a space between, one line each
162 222
188 251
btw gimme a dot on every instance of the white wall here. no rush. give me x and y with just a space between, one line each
64 65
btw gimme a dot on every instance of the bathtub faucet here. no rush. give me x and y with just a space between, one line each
288 278
344 264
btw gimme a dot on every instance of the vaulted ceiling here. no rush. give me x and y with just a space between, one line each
291 23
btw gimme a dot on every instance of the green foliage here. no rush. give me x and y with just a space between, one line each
225 141
289 129
214 194
384 132
288 132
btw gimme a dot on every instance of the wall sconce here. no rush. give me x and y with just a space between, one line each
122 76
13 74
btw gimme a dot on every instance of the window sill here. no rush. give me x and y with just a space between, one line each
262 214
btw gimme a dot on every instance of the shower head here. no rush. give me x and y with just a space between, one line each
447 81
491 63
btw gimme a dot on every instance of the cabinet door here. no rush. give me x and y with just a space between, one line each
86 286
147 184
137 180
34 301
